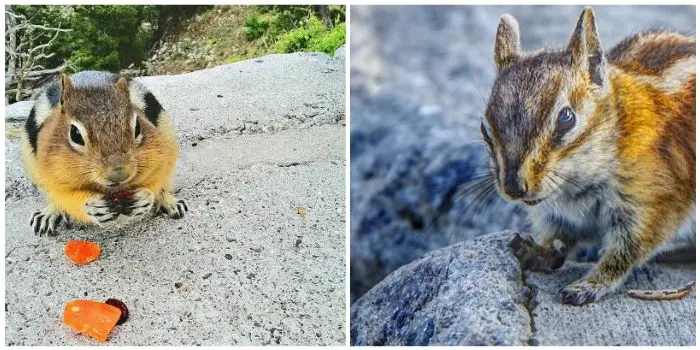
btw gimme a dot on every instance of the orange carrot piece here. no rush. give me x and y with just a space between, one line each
82 252
92 318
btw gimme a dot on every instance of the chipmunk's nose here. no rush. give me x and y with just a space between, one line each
512 187
118 174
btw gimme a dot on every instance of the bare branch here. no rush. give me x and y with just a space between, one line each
14 15
31 27
24 68
43 55
25 92
44 46
65 65
21 54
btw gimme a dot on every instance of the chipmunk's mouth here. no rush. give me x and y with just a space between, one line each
533 202
114 185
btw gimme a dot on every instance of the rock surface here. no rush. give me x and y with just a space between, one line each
258 139
473 293
407 190
420 76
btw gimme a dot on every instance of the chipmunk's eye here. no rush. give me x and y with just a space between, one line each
137 129
75 136
565 121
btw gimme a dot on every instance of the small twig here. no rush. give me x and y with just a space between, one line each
30 27
666 294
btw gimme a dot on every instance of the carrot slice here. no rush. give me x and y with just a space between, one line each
92 318
82 252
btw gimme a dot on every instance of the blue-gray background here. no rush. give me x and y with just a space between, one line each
419 78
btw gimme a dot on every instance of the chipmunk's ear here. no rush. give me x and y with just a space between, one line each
507 47
66 87
585 47
66 90
122 85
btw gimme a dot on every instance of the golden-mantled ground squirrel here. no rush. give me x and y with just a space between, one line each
599 146
100 146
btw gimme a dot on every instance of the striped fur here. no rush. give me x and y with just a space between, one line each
625 173
105 108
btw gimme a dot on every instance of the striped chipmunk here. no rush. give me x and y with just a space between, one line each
598 146
100 147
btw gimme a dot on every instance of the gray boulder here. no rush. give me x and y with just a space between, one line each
474 293
258 139
339 53
407 190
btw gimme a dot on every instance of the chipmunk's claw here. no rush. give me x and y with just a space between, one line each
182 208
582 292
100 210
46 221
534 257
173 207
140 205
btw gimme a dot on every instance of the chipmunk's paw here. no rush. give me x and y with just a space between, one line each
46 221
140 204
173 207
583 292
100 210
534 257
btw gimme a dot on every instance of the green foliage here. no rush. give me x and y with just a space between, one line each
265 8
330 40
254 26
109 37
300 39
113 37
103 37
297 28
312 36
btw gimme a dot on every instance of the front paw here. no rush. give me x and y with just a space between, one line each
46 221
583 292
173 207
100 210
139 203
534 257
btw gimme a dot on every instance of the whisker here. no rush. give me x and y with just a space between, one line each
478 201
475 200
553 188
567 179
460 189
483 98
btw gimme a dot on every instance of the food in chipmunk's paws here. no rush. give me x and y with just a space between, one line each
121 201
122 307
82 252
123 196
92 318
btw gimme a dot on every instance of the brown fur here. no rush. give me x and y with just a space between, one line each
71 178
630 155
651 53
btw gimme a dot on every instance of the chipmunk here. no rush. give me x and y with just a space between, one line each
598 146
91 137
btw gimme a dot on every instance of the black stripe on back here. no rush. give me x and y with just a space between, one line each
153 108
32 129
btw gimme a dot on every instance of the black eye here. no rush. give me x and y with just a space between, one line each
485 134
565 121
75 136
137 129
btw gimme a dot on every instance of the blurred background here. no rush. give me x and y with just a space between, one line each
419 80
155 40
